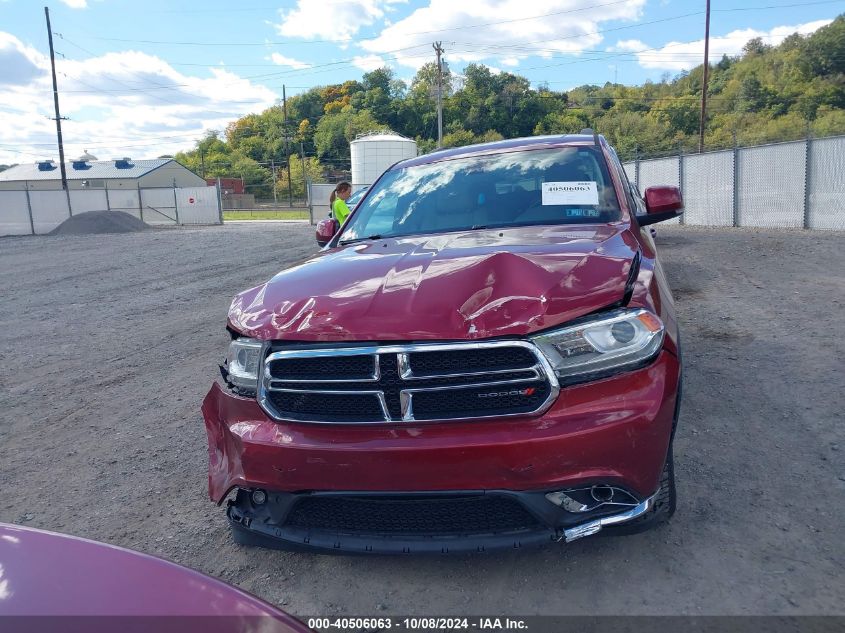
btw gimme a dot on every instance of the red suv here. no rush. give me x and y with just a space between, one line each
485 355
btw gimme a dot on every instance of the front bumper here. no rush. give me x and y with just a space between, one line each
274 523
612 432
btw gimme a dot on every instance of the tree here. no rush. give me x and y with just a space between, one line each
768 93
313 171
753 96
682 115
425 81
458 138
330 138
566 122
212 158
755 47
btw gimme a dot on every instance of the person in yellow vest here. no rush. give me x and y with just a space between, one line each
338 201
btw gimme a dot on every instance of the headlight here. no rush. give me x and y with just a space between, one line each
242 362
603 345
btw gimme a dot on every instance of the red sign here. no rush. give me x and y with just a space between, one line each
191 200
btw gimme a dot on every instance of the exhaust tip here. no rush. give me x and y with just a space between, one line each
602 494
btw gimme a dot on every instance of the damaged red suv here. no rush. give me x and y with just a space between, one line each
485 355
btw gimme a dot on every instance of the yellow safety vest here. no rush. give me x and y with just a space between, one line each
341 211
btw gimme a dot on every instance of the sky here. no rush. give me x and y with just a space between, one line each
145 78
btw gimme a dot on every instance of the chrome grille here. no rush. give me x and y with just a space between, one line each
405 383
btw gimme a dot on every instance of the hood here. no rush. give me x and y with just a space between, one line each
51 575
466 285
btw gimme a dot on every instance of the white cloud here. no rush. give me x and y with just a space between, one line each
629 45
332 19
368 63
119 104
506 31
686 55
76 4
281 60
19 64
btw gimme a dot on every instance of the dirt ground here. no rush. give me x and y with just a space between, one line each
109 343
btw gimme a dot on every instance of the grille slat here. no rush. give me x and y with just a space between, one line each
396 383
339 368
480 514
471 361
328 407
456 403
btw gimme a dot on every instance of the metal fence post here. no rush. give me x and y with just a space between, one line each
108 202
637 167
140 204
808 160
736 185
29 207
309 193
175 203
219 201
681 177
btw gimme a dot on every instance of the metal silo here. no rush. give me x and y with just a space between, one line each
373 153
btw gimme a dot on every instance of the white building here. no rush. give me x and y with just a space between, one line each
123 173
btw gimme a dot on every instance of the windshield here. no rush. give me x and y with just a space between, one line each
355 198
568 185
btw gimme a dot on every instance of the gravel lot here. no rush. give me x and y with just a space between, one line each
109 344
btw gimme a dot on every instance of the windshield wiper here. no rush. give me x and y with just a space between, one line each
359 239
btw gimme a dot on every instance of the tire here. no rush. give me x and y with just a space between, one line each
661 512
667 498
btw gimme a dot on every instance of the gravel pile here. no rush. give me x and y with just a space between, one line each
97 222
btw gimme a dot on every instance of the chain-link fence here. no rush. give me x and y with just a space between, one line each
795 184
31 211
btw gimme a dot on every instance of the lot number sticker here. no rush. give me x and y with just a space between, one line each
570 193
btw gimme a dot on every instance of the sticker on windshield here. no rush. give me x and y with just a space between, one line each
570 193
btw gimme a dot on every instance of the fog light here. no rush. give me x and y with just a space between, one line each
259 497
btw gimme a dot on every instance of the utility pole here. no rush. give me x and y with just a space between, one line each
287 146
202 161
704 79
56 103
438 49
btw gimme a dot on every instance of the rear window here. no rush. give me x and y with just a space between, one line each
567 185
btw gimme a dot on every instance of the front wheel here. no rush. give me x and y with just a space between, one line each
661 511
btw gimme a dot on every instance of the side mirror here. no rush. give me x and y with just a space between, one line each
326 230
661 203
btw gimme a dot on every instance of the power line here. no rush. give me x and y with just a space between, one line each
367 39
464 27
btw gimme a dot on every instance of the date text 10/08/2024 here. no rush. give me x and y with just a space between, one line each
417 624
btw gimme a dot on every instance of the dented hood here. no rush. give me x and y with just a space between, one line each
468 285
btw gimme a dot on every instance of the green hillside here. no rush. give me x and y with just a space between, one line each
766 94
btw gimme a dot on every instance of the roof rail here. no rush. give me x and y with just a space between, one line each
589 130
